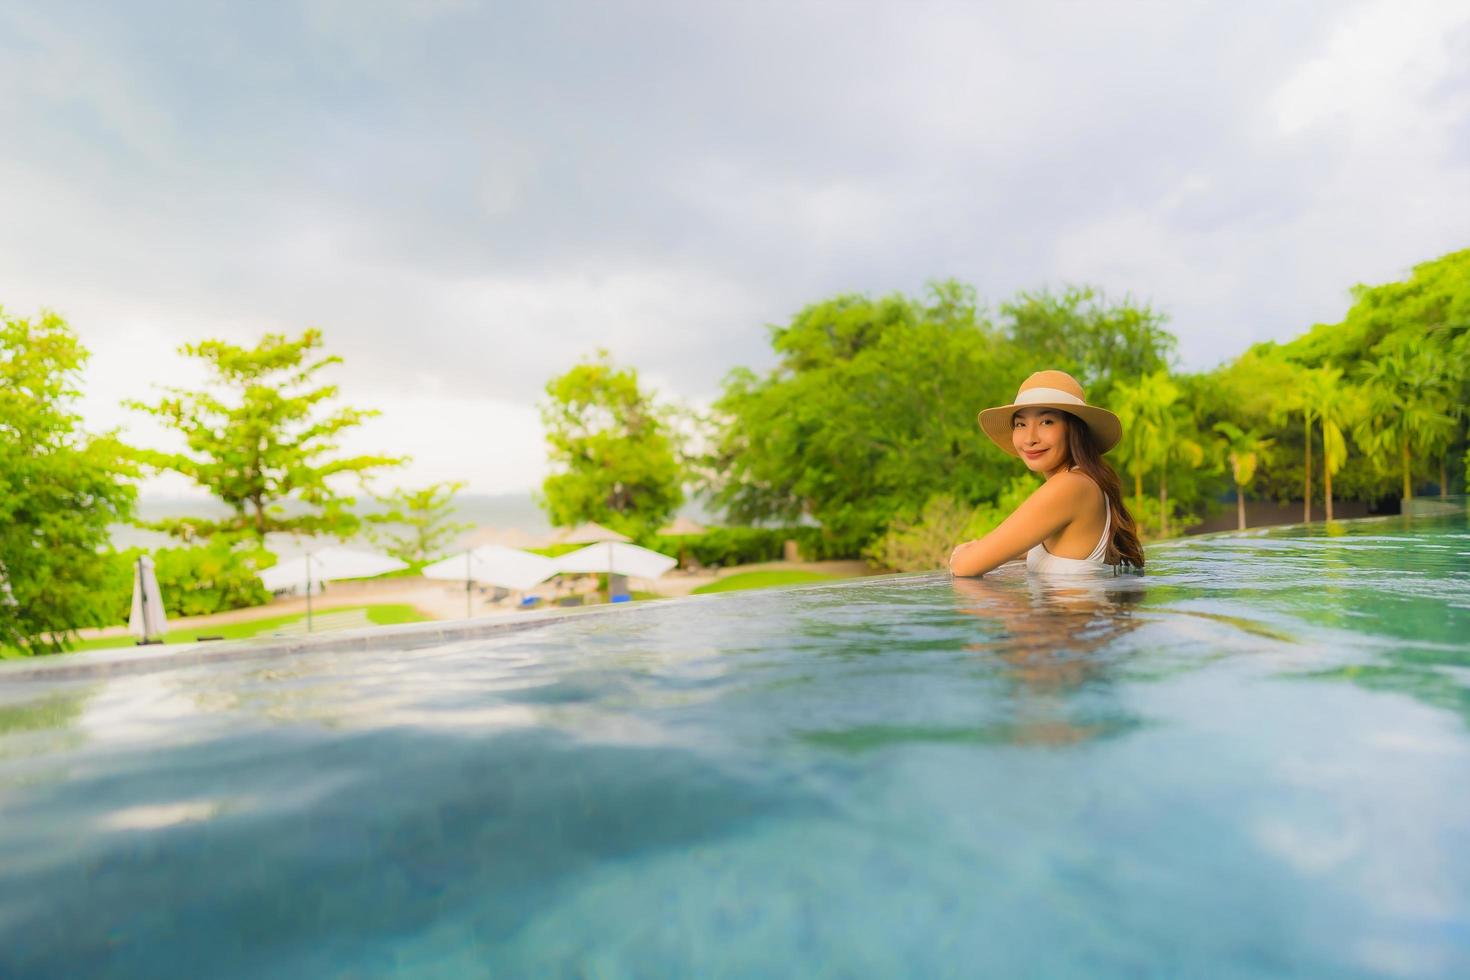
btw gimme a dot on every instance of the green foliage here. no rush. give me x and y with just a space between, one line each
989 514
1409 413
726 546
260 435
417 525
212 578
1242 450
613 453
1098 341
1156 519
1407 344
1160 436
762 580
869 413
195 581
925 543
60 488
867 422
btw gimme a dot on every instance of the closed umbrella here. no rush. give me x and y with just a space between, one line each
147 620
493 564
616 558
327 565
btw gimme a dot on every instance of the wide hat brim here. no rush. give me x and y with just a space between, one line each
1106 427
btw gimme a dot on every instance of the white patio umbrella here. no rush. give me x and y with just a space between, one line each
616 558
589 533
147 620
509 537
493 564
682 527
326 565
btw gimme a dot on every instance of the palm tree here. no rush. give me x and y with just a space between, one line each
1145 408
1293 400
1243 450
1406 387
1176 445
1130 401
1335 405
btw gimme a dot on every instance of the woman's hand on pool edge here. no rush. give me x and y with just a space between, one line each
956 553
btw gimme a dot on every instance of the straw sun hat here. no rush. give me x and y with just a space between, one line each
1052 389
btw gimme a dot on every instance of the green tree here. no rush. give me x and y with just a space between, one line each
262 435
1409 392
1096 340
614 456
1143 406
1336 406
1243 450
60 489
1158 434
1292 398
417 525
1181 446
1405 341
197 580
868 415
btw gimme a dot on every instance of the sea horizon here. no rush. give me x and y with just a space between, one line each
506 511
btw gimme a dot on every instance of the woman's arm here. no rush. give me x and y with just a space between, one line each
1049 509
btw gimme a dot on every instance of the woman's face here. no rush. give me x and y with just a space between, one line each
1040 436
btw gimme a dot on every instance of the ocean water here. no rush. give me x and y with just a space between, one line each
1252 762
509 510
517 511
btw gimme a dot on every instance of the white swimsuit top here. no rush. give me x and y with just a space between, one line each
1039 560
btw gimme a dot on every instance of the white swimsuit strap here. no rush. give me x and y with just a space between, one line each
1101 550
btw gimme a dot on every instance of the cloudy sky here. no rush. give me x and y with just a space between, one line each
468 197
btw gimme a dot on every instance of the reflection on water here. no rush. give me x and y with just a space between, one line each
1248 763
1048 643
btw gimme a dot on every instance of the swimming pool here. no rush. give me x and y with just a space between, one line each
1252 762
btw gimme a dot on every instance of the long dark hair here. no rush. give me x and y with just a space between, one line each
1123 545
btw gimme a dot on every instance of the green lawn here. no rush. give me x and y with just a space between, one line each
761 580
383 614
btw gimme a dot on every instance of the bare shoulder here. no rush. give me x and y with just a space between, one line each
1071 486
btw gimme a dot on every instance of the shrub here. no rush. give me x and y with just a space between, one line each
924 544
1147 513
726 546
194 581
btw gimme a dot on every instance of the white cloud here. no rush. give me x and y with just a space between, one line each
467 198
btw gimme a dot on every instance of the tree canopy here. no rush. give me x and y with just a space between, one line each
417 525
614 453
869 414
60 489
263 434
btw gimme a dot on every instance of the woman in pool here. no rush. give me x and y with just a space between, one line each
1075 522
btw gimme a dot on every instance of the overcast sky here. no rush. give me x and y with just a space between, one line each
468 197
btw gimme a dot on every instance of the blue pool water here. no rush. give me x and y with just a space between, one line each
1252 762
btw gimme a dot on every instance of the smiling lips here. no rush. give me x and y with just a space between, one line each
1033 455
